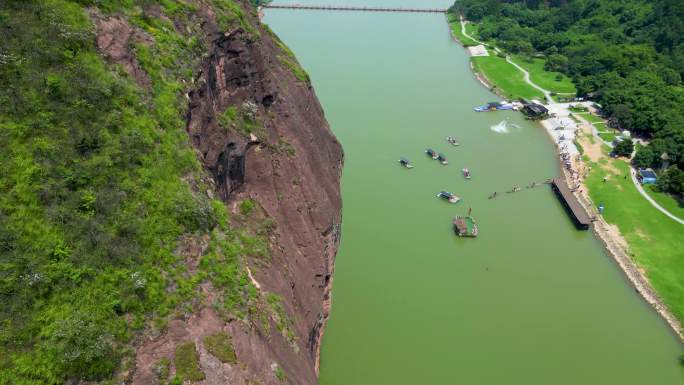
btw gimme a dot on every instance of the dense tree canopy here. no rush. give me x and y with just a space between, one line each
628 55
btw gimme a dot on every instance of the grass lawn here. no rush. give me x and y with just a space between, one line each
471 29
667 201
607 136
655 240
505 77
591 118
455 26
543 78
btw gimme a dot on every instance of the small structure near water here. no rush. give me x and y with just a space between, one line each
465 227
572 206
535 111
647 176
495 106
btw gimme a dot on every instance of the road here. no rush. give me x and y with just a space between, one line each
648 198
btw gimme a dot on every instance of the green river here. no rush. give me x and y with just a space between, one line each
531 301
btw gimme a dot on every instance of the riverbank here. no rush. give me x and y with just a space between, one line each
575 171
492 71
610 236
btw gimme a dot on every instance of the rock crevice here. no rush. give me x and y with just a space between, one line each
289 163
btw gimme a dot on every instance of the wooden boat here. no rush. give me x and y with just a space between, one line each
451 140
466 173
514 190
465 226
494 106
447 196
442 158
431 153
405 162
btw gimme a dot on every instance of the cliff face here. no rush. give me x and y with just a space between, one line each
260 132
290 167
169 201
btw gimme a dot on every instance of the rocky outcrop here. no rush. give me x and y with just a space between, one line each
115 37
290 165
260 132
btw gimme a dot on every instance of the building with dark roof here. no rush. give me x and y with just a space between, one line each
535 111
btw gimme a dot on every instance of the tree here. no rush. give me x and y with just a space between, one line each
624 148
671 181
556 62
644 157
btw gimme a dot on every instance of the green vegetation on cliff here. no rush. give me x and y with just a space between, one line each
100 188
220 346
187 363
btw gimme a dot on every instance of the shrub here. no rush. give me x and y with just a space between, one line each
296 69
161 368
228 117
279 373
247 206
186 361
220 346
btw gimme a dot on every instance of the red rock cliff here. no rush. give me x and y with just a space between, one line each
290 166
261 134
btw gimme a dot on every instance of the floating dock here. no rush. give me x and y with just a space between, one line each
573 207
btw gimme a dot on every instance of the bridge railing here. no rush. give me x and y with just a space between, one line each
355 8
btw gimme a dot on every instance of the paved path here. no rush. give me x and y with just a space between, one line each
655 204
463 31
547 93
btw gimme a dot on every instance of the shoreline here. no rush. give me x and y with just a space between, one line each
614 244
611 240
478 75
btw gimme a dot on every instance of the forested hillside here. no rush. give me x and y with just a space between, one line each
628 55
100 190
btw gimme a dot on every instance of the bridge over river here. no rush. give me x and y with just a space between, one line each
355 8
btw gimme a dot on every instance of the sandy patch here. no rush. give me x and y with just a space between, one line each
592 149
640 233
478 50
616 236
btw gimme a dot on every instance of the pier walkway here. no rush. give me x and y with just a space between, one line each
577 212
354 8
